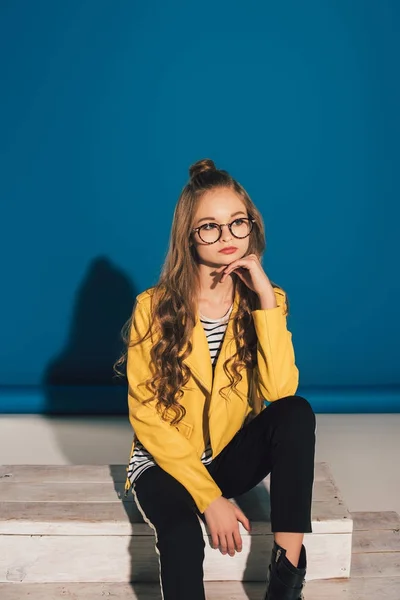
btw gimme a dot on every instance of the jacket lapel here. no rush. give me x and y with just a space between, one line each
199 360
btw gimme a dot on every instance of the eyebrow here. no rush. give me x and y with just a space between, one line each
239 212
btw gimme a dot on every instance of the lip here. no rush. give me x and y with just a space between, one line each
229 250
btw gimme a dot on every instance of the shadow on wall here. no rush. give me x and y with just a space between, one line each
81 380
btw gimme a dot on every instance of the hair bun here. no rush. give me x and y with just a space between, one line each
201 166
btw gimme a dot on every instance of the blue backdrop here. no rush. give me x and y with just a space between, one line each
104 107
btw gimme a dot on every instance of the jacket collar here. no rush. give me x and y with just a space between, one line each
199 360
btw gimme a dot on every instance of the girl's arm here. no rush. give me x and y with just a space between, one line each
277 375
170 449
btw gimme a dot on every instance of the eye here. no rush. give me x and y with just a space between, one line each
211 225
239 221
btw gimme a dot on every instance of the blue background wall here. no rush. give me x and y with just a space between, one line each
104 107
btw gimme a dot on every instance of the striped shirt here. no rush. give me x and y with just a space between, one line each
214 329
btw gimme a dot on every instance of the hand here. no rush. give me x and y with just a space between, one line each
250 271
222 519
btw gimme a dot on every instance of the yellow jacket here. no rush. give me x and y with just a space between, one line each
177 449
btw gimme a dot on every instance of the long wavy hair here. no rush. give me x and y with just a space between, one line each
174 300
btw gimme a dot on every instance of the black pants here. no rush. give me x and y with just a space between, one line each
280 441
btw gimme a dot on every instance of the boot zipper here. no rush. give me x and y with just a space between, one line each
278 553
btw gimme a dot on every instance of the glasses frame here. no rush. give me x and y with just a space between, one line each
220 225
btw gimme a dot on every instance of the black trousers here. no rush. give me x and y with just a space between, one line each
281 441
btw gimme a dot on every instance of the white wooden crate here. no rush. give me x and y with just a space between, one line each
68 524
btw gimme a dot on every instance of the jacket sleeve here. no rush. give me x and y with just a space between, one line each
171 450
276 374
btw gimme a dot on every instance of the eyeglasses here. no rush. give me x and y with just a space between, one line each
210 233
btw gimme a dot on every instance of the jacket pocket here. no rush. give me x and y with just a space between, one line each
185 428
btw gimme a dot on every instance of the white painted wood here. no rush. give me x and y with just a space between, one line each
373 588
329 517
367 520
353 589
109 491
62 492
94 473
62 473
77 529
376 564
43 486
32 559
112 518
376 541
328 511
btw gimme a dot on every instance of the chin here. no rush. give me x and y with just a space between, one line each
225 259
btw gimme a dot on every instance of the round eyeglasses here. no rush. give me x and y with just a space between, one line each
210 233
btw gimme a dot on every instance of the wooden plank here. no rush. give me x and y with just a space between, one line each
354 589
93 473
376 541
368 520
123 518
109 492
322 470
330 517
72 518
62 473
62 492
375 564
40 559
323 491
66 513
327 516
357 589
81 591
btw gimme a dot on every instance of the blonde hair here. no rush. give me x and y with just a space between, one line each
174 298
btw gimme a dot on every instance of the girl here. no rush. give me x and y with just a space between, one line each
206 347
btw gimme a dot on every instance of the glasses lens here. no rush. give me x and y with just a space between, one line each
209 233
241 228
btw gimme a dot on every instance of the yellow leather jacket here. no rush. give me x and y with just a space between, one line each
177 449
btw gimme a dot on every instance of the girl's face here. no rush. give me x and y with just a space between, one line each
221 205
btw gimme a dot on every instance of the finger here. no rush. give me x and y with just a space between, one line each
220 269
231 544
240 275
242 518
228 271
235 265
223 544
237 538
215 541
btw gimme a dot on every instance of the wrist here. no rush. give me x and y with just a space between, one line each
267 299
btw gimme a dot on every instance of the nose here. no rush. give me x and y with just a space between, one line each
226 234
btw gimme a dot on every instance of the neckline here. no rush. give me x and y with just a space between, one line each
204 318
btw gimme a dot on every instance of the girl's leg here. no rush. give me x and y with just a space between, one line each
280 441
170 510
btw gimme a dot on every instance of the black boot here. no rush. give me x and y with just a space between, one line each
284 580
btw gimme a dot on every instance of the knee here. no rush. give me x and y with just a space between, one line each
301 406
296 410
305 411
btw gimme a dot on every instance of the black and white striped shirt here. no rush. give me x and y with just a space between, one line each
215 330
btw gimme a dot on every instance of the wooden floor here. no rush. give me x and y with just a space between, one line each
375 574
